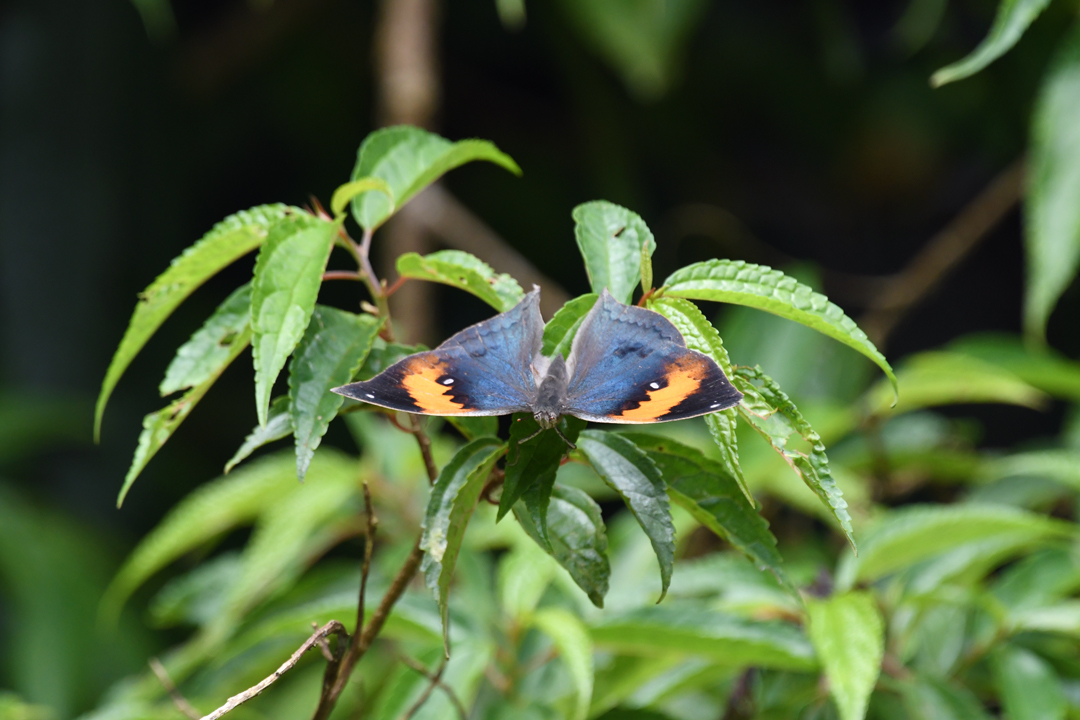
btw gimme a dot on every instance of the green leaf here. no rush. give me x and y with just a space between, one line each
780 420
202 355
575 649
523 576
409 159
345 193
465 272
1028 686
761 287
453 499
917 532
383 355
159 426
577 538
723 638
1052 215
1013 18
1038 365
849 635
288 274
628 470
612 241
230 239
560 330
706 490
933 699
1062 466
534 463
942 378
700 335
278 426
332 350
475 427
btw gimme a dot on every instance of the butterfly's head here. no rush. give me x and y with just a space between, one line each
546 418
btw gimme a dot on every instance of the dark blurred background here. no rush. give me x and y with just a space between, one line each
803 135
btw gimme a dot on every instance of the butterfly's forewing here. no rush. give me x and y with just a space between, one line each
482 370
630 365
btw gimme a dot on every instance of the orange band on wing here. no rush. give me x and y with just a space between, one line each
421 381
682 382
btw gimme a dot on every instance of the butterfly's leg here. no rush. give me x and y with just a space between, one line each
570 444
522 442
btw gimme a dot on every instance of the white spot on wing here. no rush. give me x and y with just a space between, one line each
448 381
370 395
714 405
654 386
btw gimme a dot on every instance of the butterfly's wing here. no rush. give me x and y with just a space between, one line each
630 365
483 370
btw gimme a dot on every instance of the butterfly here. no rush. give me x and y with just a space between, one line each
626 364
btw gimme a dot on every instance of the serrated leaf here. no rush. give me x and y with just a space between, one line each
465 272
288 274
700 335
199 357
533 464
409 159
278 426
230 239
1052 215
938 378
761 287
706 490
1028 686
332 350
562 327
344 195
611 240
726 639
159 426
770 411
572 640
630 472
453 499
913 534
1013 18
577 538
849 635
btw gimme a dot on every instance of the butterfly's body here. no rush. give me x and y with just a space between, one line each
626 365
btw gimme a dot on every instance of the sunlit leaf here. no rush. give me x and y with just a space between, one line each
1028 686
288 274
465 272
278 426
629 471
231 238
761 287
612 240
560 330
1013 18
572 640
409 159
849 635
202 355
344 195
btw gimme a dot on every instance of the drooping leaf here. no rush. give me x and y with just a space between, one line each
453 499
332 350
1052 215
1013 18
1040 366
630 472
1028 686
611 239
761 287
344 195
560 330
700 335
409 159
465 272
706 490
572 640
202 355
849 635
533 464
726 639
777 424
288 274
577 538
159 426
230 239
278 426
917 532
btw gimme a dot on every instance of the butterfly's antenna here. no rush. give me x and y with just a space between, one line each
522 442
570 444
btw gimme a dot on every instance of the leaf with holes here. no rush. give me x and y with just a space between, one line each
230 239
849 635
199 357
465 272
612 240
409 159
563 326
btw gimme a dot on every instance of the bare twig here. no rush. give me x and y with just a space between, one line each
331 628
425 448
365 570
178 699
341 275
435 680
